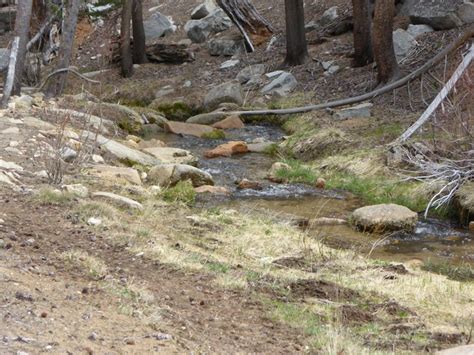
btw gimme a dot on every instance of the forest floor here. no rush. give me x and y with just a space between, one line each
180 278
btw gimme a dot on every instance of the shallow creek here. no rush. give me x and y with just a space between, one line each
433 240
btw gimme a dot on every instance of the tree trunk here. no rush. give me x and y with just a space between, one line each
139 40
363 54
10 78
22 29
248 20
125 50
384 53
56 85
296 47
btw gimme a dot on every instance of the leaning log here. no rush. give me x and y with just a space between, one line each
253 26
10 79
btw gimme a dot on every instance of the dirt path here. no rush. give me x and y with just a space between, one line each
49 306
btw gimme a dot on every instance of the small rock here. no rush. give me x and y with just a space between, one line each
11 130
171 174
158 25
23 296
465 12
418 30
2 244
273 172
68 154
247 184
14 144
93 336
97 159
333 69
226 46
215 190
403 43
172 155
76 189
250 72
203 10
114 174
229 64
7 165
120 200
227 150
261 147
471 226
281 85
320 183
94 221
362 110
327 65
188 129
325 221
231 122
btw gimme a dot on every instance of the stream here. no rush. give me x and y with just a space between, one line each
433 240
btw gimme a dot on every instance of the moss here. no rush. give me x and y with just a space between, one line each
215 134
273 149
130 126
129 163
182 192
175 111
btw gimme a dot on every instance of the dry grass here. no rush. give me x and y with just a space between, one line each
94 267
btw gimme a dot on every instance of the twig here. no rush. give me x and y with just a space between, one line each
70 69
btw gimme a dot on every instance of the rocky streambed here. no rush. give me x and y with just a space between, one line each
323 213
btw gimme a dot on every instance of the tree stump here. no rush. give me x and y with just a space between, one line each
253 26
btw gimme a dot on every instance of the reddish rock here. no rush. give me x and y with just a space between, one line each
215 190
189 129
471 226
247 184
228 149
229 123
320 183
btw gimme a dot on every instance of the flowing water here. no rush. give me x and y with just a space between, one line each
434 240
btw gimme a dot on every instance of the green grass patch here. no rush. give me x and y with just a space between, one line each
218 267
297 173
48 196
215 134
296 316
182 192
272 150
377 190
457 272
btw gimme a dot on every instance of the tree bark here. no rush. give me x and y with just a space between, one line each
22 29
362 16
253 26
139 40
296 46
384 53
125 50
10 78
56 86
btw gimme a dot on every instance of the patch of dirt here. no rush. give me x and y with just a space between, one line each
394 309
353 314
321 289
449 338
198 315
296 262
399 269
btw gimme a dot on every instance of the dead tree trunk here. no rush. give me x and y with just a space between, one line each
22 29
10 78
248 20
296 46
384 53
363 54
139 40
56 85
125 49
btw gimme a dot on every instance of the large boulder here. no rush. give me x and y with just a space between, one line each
203 10
282 85
230 91
226 46
199 31
418 30
458 350
466 12
403 43
158 25
187 129
231 122
439 14
172 155
357 111
171 174
384 217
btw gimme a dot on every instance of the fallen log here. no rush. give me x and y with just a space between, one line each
467 34
169 53
439 98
